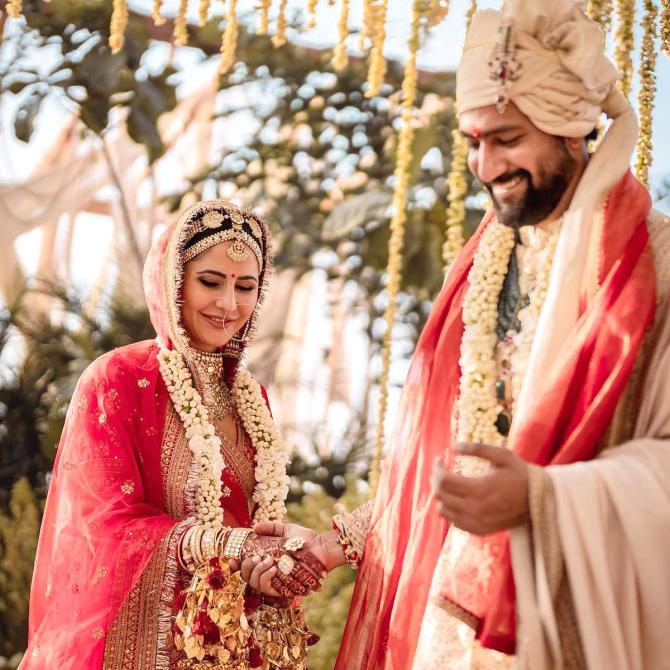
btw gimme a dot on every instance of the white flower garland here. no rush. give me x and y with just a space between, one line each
477 405
271 456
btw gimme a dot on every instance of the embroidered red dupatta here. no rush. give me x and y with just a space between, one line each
112 503
407 533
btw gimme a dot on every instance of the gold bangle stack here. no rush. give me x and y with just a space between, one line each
236 539
200 544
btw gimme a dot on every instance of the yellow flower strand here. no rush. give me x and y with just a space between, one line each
229 41
437 12
280 38
377 69
665 27
340 57
264 18
311 13
600 11
158 18
117 26
14 8
180 31
398 220
647 92
624 43
457 184
366 29
203 11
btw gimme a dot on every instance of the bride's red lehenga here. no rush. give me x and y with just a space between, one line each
121 493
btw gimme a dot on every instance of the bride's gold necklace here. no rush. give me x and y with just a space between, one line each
207 369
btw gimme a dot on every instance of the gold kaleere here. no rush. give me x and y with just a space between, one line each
398 220
600 11
311 13
229 41
377 35
647 92
457 184
14 8
158 18
203 11
180 31
340 57
624 43
280 38
665 27
117 26
264 17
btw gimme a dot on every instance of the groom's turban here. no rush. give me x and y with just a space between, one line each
564 78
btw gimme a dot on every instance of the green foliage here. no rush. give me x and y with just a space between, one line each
19 529
326 611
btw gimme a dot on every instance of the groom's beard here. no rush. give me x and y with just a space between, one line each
538 201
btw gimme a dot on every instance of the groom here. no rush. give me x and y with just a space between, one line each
541 384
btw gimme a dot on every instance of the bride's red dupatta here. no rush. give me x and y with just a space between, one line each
407 533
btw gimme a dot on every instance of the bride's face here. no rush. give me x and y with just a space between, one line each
219 295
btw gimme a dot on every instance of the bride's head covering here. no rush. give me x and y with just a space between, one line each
198 228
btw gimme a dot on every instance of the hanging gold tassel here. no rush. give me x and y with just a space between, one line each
14 8
180 31
624 43
158 18
117 26
366 28
647 92
280 38
398 220
264 17
377 69
665 27
311 13
600 11
340 57
203 11
457 183
229 41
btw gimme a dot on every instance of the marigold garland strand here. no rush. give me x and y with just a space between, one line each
647 92
180 30
437 12
366 28
624 43
340 57
229 41
601 12
264 18
377 69
398 220
280 38
158 18
311 13
457 184
14 8
665 27
117 26
203 11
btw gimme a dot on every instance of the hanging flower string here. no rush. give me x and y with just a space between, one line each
665 27
366 28
264 17
279 38
600 11
180 29
624 43
377 34
229 41
118 25
158 18
14 8
203 11
647 92
311 13
398 220
340 58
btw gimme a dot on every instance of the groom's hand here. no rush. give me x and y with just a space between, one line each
483 505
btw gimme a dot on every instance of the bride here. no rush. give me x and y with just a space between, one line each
168 457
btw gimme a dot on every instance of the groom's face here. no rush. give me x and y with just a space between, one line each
525 170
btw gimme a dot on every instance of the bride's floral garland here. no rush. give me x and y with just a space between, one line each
271 456
477 405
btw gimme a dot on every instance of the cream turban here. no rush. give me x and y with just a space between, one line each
564 76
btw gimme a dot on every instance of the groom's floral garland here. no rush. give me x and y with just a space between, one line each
477 405
271 456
